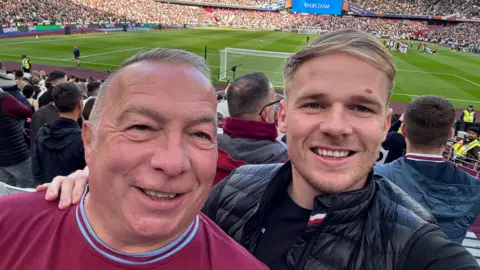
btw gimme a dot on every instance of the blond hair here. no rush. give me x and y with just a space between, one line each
350 41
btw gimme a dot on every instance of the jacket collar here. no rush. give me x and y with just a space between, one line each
248 129
336 208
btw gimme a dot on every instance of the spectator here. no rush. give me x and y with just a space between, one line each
467 118
55 77
19 79
29 91
83 89
87 110
60 143
449 193
10 86
92 88
47 112
36 85
132 207
249 134
394 146
15 162
467 151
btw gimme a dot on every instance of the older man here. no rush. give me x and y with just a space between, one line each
151 169
249 134
326 209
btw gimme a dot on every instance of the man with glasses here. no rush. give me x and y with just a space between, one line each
249 134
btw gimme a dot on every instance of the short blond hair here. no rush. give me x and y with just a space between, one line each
351 41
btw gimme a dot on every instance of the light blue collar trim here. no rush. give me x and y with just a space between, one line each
88 232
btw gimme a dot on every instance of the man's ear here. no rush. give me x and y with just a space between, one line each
452 131
87 137
282 117
388 122
264 114
403 128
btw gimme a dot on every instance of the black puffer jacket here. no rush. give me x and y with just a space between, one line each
366 229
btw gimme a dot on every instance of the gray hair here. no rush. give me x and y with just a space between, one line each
351 41
157 55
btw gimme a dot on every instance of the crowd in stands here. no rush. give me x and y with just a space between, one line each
463 33
38 11
455 8
150 11
249 3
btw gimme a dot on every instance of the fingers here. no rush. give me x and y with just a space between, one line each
79 188
42 187
66 192
53 188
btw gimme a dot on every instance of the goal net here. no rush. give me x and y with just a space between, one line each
247 61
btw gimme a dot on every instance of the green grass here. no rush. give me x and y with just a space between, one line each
455 76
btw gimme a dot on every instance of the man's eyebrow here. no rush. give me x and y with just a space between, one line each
152 114
312 96
202 119
366 100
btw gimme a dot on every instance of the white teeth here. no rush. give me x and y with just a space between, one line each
159 195
329 153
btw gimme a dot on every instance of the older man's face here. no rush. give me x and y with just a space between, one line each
153 157
335 119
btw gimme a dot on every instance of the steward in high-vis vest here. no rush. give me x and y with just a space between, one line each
469 148
26 64
468 115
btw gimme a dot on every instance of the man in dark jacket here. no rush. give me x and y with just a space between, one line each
15 162
47 112
58 147
325 209
249 134
447 192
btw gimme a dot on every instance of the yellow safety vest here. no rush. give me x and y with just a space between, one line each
468 116
462 150
25 63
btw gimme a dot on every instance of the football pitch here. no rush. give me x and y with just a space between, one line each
453 75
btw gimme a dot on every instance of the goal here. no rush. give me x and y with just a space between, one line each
245 61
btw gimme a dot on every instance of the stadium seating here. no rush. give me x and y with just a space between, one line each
454 8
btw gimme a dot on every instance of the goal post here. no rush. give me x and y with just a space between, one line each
245 61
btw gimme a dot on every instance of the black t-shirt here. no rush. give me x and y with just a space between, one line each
287 222
285 226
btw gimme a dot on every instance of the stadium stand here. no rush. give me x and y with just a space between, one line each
461 33
454 8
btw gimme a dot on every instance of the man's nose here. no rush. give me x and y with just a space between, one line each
335 122
171 155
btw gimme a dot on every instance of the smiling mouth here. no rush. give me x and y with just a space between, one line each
336 154
155 195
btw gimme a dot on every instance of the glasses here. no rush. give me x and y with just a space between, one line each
270 104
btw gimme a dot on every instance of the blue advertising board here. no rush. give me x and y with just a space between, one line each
333 7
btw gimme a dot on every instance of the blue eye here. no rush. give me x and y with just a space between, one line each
360 108
314 106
